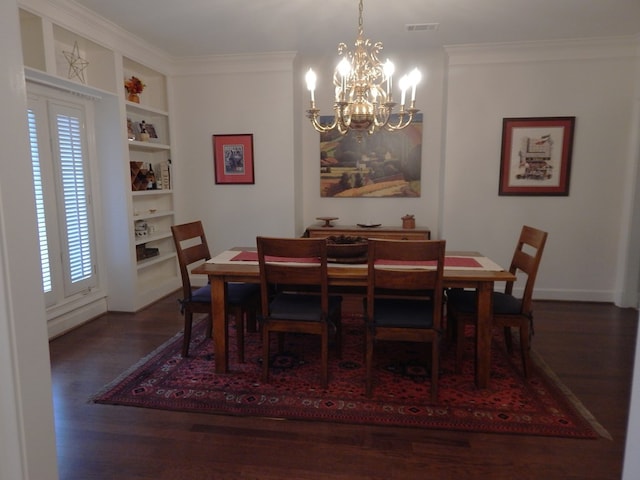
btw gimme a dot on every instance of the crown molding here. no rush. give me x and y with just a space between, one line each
225 64
84 22
544 51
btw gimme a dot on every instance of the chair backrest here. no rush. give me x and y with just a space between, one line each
406 267
526 259
191 247
292 262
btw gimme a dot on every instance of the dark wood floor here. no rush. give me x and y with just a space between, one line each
589 346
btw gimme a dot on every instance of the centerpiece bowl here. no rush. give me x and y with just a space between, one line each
347 249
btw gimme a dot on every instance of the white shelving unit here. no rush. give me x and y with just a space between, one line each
133 280
156 272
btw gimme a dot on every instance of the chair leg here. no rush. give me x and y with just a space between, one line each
251 322
369 364
460 339
239 318
338 337
265 353
525 347
435 370
508 341
188 322
325 356
209 325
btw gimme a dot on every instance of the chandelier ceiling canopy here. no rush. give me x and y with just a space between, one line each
363 91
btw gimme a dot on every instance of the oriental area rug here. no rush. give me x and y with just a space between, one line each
540 405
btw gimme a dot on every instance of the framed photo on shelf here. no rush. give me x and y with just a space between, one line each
536 156
233 158
151 130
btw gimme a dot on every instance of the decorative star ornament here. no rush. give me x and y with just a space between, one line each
77 64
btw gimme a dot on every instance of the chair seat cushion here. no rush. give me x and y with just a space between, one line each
202 295
292 306
237 293
464 301
241 293
406 313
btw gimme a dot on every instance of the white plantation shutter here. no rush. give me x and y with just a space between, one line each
39 198
73 196
62 197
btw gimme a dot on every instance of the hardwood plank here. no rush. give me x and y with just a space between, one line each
589 346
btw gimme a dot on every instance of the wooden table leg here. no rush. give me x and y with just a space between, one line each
219 317
483 333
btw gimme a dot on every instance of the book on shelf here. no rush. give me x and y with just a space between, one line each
163 175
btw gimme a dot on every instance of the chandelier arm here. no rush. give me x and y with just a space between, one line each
383 114
313 115
405 117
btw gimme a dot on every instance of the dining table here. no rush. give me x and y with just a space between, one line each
470 270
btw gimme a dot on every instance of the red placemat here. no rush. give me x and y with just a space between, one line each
450 262
248 256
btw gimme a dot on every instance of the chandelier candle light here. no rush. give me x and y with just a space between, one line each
363 87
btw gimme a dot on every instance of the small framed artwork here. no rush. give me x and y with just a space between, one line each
233 158
536 156
151 130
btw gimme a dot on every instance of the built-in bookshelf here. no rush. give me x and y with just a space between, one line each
133 145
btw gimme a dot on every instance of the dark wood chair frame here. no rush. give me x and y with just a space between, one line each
526 259
419 288
309 281
192 248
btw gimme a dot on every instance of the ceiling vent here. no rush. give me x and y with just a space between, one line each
420 27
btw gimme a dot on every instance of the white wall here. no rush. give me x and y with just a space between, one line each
464 103
230 96
631 467
592 81
26 413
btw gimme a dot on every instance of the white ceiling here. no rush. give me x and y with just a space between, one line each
208 27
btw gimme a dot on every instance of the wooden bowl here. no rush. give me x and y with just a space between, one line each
343 246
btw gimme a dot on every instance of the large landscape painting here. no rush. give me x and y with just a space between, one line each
384 164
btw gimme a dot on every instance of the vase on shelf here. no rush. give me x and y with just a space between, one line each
134 97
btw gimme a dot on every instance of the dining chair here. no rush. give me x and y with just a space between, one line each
295 295
413 269
242 299
509 310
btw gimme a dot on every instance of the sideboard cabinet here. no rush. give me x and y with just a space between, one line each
391 233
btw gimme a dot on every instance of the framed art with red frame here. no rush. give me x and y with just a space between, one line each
536 156
233 159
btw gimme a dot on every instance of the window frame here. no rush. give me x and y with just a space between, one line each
47 106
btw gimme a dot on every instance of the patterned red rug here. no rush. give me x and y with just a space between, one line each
537 406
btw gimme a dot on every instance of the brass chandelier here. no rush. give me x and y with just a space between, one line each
363 91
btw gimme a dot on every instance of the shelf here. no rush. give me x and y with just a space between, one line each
59 83
147 262
154 96
148 146
155 276
99 71
157 214
147 193
144 110
153 238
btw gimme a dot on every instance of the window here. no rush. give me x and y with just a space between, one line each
59 157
